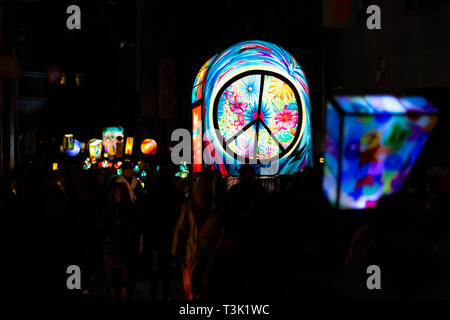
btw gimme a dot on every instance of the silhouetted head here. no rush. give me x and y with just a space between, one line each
119 194
202 189
164 174
127 169
247 173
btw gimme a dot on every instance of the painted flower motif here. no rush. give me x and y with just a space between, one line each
251 113
248 88
237 105
287 119
280 89
239 123
227 94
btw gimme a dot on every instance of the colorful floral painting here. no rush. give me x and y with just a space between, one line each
269 121
285 118
234 106
276 118
374 152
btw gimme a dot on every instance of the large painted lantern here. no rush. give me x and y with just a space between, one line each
372 144
250 104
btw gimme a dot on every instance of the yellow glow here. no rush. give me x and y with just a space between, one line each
322 160
129 146
55 166
62 81
77 79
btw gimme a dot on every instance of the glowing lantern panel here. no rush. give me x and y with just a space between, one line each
129 146
197 138
95 149
68 142
372 144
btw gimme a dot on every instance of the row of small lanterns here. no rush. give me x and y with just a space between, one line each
72 147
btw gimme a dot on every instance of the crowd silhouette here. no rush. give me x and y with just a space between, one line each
212 242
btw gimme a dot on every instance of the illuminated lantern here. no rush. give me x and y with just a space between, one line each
95 149
148 146
68 142
372 144
251 103
110 135
129 146
184 172
119 147
76 149
87 164
55 166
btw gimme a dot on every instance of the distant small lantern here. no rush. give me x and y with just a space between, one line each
129 146
95 149
148 146
68 142
75 150
119 147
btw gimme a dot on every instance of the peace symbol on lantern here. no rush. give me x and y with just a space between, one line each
256 114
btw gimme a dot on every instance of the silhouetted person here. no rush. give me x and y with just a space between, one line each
164 203
185 245
394 241
248 201
123 240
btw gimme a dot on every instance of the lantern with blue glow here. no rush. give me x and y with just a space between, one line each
372 144
252 104
76 149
